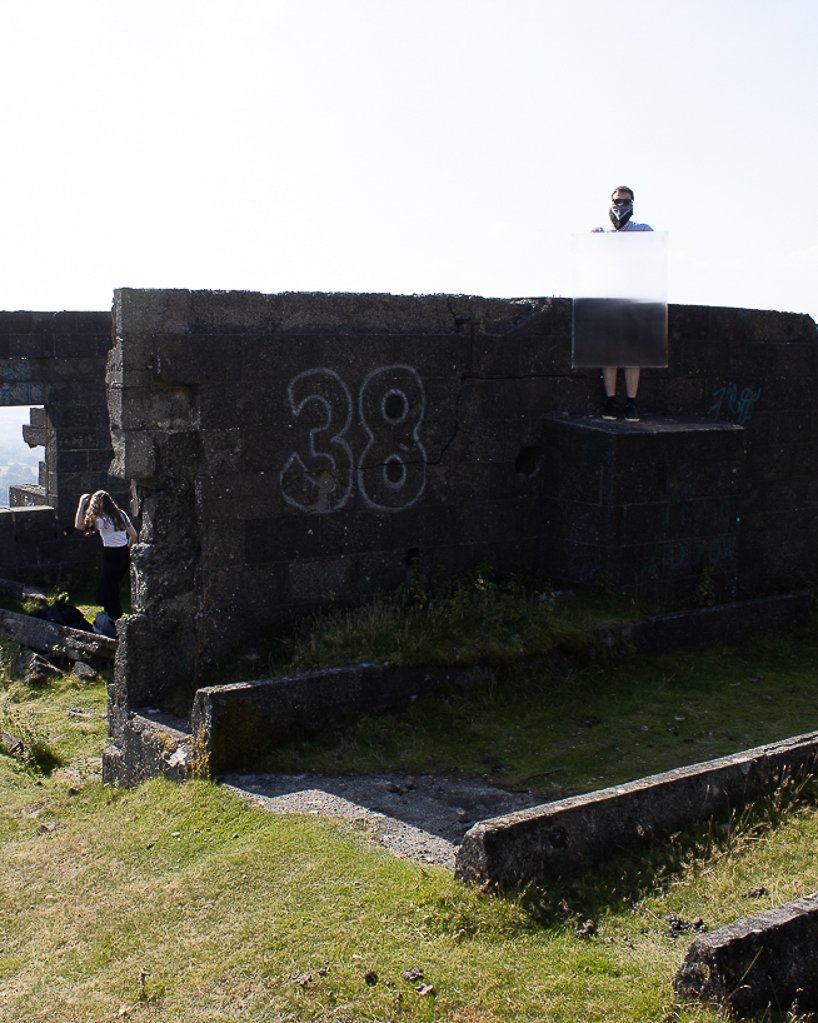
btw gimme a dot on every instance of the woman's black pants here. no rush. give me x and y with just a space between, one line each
115 562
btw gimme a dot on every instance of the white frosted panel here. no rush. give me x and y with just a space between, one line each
620 299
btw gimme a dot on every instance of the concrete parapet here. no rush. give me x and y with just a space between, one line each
769 960
237 723
546 841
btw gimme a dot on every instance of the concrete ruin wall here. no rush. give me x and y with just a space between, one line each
554 839
55 362
292 451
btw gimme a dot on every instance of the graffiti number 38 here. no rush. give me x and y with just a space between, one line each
391 471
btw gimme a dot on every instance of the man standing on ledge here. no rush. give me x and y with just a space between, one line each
620 212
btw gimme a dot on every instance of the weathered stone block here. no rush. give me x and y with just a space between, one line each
134 454
571 481
16 322
149 312
494 357
765 961
25 393
150 745
33 345
92 345
284 538
635 487
47 637
199 359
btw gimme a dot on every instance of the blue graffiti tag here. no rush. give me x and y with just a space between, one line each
739 403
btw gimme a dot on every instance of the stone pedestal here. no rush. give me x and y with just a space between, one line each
648 509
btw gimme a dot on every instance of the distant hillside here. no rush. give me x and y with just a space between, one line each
14 473
18 462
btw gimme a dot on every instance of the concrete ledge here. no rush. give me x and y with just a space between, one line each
49 638
235 723
556 838
705 626
41 513
766 960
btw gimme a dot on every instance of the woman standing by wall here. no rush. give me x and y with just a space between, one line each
99 513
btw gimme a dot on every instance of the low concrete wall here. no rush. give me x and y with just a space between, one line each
766 960
546 841
705 626
235 724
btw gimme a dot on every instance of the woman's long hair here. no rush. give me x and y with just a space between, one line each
103 506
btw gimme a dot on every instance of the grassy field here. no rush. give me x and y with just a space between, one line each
183 904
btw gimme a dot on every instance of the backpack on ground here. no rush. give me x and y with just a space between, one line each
104 625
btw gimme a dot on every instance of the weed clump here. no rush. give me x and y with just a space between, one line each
20 737
22 740
476 620
9 653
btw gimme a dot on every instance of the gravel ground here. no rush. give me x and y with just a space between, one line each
420 817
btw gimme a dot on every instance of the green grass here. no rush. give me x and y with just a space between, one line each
473 620
187 905
56 722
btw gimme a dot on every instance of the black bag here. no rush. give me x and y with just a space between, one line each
63 613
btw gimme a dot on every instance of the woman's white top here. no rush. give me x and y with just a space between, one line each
113 537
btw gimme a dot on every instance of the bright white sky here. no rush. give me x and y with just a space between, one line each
403 145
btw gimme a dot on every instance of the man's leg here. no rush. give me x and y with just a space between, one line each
609 380
631 386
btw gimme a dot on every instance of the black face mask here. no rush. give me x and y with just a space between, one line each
620 212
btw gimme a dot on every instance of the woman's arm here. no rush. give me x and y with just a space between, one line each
79 518
133 536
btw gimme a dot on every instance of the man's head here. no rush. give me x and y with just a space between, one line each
621 206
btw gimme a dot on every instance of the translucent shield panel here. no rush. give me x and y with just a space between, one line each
620 299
